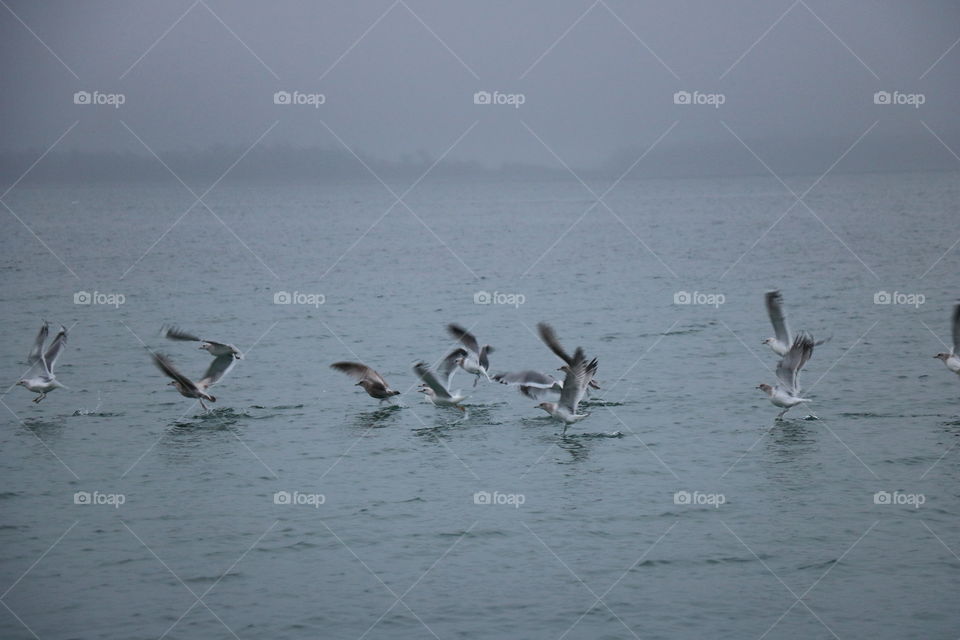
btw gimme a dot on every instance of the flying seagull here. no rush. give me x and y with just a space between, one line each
532 384
786 394
39 378
215 348
549 337
782 339
579 374
952 359
187 387
436 391
371 381
476 361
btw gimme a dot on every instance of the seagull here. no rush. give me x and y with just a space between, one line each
215 348
39 378
952 359
187 387
532 384
371 381
787 393
436 391
476 360
574 387
782 339
549 338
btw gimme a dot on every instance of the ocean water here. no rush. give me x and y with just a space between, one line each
679 509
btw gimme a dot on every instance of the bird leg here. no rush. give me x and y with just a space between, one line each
780 415
39 398
201 404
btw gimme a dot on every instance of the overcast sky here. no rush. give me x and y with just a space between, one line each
597 79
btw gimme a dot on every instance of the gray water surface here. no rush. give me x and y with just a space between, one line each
796 546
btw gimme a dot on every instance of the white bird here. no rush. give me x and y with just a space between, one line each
532 384
579 374
213 347
786 394
782 339
476 360
436 391
187 387
549 337
371 381
39 378
952 359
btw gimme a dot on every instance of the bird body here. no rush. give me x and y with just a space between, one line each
476 360
434 389
579 374
371 381
187 387
952 359
786 394
40 378
213 347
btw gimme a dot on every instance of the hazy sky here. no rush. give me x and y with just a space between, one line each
597 78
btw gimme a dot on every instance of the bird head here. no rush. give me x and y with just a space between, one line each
942 356
767 341
765 387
